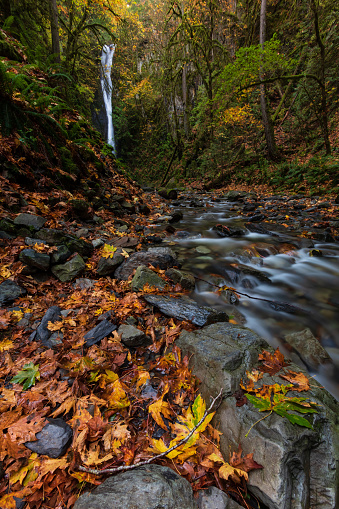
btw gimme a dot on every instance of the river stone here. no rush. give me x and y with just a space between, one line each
229 231
42 333
308 347
53 440
81 209
143 275
162 257
133 337
184 308
61 255
99 332
185 279
30 220
213 498
35 259
146 487
9 291
107 266
300 465
69 270
261 276
57 237
235 195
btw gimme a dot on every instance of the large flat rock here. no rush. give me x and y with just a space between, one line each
147 487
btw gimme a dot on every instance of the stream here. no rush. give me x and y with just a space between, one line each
286 281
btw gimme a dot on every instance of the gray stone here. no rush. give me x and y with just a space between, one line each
9 291
84 283
69 270
31 242
261 276
143 275
107 266
184 308
30 220
213 498
146 487
97 243
185 279
81 209
35 259
133 337
162 257
99 332
53 440
83 232
61 255
42 333
300 464
308 347
235 195
58 237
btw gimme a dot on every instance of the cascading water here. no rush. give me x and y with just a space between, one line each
106 89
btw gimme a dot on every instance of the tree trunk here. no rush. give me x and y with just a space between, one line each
265 114
323 113
55 30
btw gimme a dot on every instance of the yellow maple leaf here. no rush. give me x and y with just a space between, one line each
54 326
5 345
26 473
108 251
124 253
158 408
5 273
18 315
143 376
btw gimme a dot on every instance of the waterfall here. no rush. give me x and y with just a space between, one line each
106 88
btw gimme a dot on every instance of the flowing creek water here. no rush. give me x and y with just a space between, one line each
287 289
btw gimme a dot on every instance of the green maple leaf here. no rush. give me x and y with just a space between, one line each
28 375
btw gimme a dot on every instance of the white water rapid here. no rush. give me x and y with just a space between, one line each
106 87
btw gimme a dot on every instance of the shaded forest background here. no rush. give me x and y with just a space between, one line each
209 90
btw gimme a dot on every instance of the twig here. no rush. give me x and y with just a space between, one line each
252 296
141 463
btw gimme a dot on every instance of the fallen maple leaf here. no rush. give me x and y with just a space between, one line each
55 326
299 380
245 463
5 345
108 251
272 363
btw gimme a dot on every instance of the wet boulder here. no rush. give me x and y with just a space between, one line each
184 308
107 266
146 487
99 332
162 257
53 440
42 333
9 291
299 463
182 277
35 259
132 336
143 275
308 347
70 270
29 220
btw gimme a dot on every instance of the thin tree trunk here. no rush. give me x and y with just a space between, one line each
265 114
323 113
55 30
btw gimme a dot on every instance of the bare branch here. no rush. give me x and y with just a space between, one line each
158 456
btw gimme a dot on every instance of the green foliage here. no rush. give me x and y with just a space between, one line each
285 406
28 375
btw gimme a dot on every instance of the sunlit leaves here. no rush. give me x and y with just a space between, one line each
108 251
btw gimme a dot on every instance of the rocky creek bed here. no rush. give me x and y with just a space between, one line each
279 253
